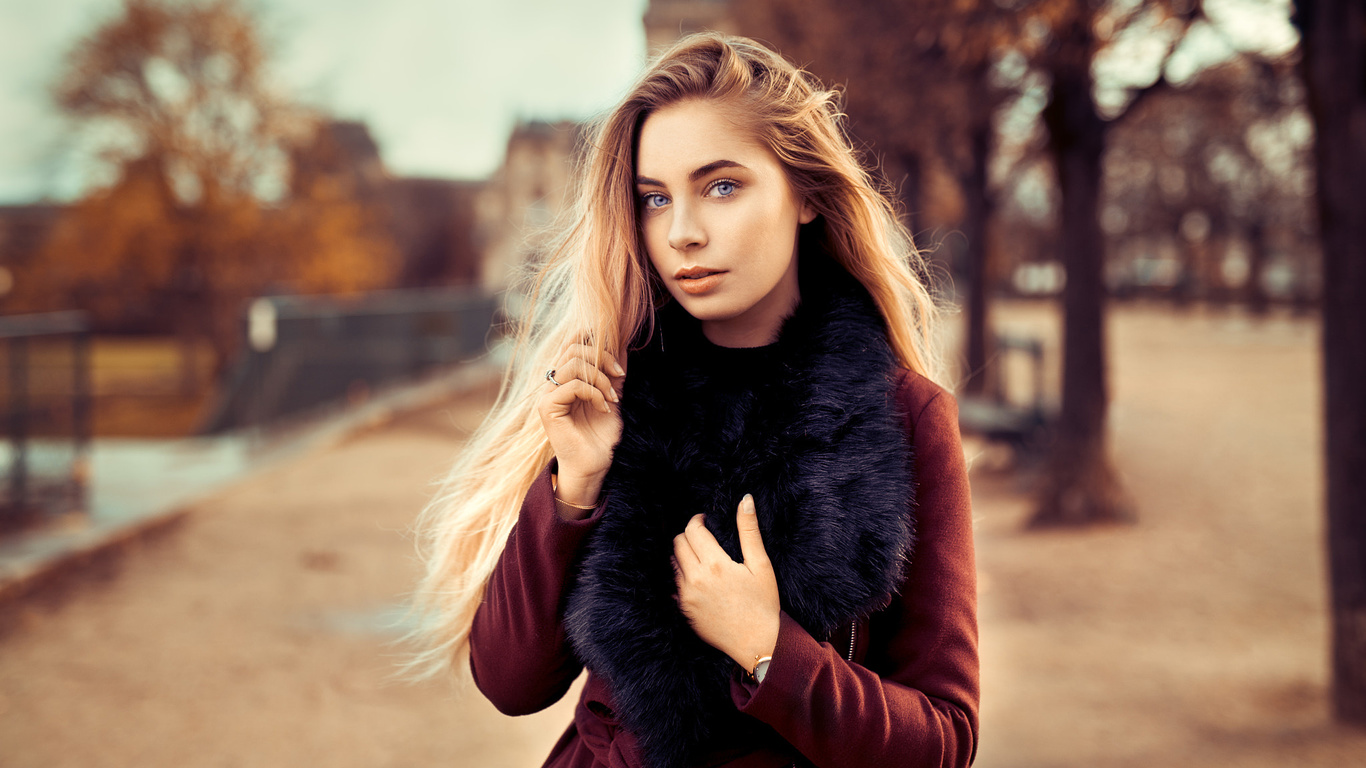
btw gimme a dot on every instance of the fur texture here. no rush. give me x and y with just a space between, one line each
810 427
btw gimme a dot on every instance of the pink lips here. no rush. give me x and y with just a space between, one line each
698 280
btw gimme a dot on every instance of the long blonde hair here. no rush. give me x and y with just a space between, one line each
597 283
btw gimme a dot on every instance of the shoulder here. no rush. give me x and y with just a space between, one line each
931 414
924 401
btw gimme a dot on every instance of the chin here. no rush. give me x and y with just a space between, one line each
707 308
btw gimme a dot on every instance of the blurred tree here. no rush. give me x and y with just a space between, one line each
333 223
924 77
200 217
1334 65
920 91
1081 485
1217 170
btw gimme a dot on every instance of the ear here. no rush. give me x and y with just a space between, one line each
807 213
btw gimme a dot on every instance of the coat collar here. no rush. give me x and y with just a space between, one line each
810 427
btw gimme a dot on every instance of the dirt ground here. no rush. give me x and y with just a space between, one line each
259 632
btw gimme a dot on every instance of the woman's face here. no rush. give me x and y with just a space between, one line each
720 222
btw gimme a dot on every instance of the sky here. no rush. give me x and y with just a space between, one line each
439 82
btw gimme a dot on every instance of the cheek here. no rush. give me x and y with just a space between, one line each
769 230
750 223
656 239
663 260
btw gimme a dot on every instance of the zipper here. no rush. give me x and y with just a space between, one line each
853 633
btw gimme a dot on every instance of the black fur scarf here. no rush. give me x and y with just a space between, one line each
809 426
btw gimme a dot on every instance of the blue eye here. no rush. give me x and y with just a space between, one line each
724 188
653 200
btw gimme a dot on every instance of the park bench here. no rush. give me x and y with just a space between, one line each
1024 427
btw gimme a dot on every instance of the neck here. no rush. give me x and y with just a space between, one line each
737 336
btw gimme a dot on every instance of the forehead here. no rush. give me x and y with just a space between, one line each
682 137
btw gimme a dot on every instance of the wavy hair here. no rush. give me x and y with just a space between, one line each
597 283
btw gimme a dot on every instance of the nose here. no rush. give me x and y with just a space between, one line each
685 231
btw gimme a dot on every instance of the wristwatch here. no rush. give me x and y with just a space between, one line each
760 668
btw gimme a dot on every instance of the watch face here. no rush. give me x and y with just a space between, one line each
760 670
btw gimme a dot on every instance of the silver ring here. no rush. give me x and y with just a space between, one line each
550 376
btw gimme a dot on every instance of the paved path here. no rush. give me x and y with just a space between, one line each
257 632
139 485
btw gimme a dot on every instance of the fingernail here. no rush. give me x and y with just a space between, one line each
615 397
617 369
749 504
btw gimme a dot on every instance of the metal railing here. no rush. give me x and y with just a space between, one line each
309 352
45 392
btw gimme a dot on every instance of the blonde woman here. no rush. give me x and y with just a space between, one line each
720 476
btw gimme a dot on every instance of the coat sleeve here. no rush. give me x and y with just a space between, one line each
519 654
915 703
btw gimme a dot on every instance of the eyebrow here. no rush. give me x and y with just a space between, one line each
695 175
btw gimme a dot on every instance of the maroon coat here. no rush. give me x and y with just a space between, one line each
909 698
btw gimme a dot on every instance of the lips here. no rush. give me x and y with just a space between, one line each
698 280
694 273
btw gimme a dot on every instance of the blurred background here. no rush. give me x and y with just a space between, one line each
257 261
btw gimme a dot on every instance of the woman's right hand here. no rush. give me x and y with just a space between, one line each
582 419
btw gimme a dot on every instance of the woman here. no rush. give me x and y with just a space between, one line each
721 478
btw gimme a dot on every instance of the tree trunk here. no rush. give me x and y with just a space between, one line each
976 211
1081 485
1183 293
1255 292
190 293
1216 250
910 192
1334 42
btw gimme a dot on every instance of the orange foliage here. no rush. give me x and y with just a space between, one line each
185 236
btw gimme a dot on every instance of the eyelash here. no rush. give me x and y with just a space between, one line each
735 187
735 184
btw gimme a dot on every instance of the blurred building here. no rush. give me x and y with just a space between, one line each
519 204
23 230
668 20
523 198
432 221
342 150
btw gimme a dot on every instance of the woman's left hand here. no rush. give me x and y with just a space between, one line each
732 606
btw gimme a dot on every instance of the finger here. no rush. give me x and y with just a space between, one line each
577 368
595 356
563 397
684 554
702 540
751 538
611 363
